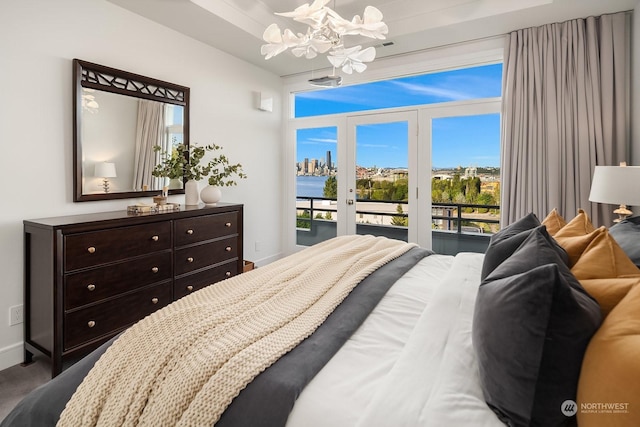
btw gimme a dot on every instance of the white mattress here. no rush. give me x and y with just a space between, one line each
411 362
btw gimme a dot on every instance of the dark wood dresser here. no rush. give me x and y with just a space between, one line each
89 277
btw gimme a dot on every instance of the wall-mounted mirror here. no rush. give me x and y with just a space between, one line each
119 117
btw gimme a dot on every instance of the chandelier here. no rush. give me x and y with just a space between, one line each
326 34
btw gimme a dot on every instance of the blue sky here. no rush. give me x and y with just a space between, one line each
464 141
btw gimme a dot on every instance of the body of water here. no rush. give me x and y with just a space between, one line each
310 186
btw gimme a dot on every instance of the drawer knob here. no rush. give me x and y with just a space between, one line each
91 249
155 238
189 288
189 231
154 300
155 269
228 249
91 323
228 224
228 274
190 259
91 287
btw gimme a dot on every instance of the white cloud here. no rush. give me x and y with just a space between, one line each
380 146
431 90
317 141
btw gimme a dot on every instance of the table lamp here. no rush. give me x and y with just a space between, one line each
616 185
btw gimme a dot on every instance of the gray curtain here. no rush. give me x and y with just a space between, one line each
565 110
150 132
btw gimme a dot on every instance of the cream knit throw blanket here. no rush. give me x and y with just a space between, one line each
184 364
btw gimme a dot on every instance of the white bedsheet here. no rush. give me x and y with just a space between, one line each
411 363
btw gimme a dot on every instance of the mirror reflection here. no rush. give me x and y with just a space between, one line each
119 118
120 158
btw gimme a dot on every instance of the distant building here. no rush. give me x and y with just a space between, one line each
470 172
329 159
442 176
490 187
396 174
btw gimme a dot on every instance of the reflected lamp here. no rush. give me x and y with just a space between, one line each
105 170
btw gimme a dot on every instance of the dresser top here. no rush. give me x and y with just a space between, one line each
125 217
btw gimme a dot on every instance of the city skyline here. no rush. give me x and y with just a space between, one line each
463 140
322 167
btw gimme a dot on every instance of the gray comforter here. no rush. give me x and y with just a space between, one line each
268 400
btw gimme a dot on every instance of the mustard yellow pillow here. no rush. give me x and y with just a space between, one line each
575 241
610 373
603 258
579 225
554 222
608 291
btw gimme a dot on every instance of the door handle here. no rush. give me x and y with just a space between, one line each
349 201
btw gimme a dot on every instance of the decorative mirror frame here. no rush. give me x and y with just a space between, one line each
100 77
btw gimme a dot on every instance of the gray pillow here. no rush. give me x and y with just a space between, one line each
506 241
627 234
532 323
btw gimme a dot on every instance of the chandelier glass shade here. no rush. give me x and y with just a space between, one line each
326 34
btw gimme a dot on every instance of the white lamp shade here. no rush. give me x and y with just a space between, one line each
105 170
616 185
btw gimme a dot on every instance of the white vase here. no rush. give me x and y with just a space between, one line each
210 194
191 193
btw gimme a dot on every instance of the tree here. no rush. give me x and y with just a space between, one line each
401 190
398 220
302 219
330 190
485 199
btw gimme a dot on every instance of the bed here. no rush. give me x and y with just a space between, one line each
514 337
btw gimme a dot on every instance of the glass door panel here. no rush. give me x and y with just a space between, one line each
465 180
316 184
381 145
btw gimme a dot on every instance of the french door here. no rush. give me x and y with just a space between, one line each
381 175
358 175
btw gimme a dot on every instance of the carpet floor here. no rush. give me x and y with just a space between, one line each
17 381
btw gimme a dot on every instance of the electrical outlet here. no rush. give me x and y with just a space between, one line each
16 315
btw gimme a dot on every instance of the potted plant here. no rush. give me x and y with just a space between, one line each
182 162
171 164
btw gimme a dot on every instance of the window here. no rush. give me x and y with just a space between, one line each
391 138
457 85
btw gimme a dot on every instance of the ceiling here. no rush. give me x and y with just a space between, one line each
236 26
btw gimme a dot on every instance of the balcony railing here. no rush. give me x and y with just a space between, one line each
456 227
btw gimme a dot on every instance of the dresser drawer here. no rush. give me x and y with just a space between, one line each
93 285
193 230
99 247
196 257
100 319
193 282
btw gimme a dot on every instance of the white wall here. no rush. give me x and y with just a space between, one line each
38 40
103 142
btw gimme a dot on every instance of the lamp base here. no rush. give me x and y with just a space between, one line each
105 185
622 212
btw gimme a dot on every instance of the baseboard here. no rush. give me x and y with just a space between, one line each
268 260
11 355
